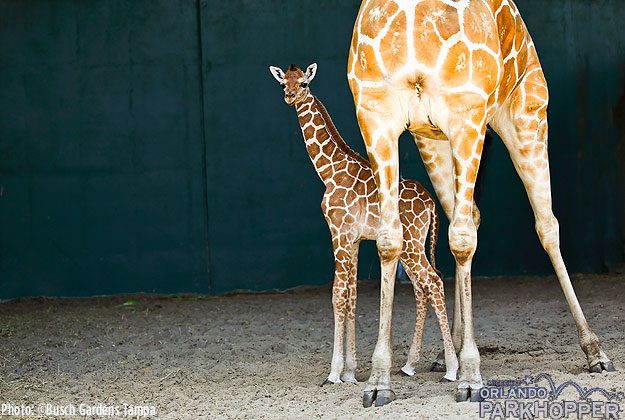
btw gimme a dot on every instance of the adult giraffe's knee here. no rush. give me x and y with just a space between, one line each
389 243
548 231
462 240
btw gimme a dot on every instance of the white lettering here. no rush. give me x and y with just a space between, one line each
596 408
570 407
582 408
7 409
98 410
611 410
556 410
512 408
541 409
60 410
498 412
525 412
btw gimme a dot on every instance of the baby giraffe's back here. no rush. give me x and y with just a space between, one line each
351 203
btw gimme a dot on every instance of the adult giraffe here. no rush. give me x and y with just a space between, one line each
444 69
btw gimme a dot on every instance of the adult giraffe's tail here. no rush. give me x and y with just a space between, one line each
434 223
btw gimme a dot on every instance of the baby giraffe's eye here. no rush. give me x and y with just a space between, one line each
303 85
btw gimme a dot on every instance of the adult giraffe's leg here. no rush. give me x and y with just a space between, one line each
466 148
522 125
340 298
375 118
436 156
349 374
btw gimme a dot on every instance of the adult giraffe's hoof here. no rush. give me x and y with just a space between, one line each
462 394
384 397
601 366
329 382
443 379
468 394
381 397
438 366
369 397
400 372
475 395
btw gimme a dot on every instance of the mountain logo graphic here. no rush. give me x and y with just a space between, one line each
584 392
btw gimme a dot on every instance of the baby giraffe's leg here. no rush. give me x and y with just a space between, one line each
437 300
349 375
340 296
417 338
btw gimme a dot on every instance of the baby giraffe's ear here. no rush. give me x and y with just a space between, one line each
311 71
277 73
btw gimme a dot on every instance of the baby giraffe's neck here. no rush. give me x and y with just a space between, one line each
323 142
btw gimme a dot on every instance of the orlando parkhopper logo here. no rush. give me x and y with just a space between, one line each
537 397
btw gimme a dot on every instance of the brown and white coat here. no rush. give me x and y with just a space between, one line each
351 209
444 70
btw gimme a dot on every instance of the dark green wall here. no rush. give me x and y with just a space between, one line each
100 148
144 146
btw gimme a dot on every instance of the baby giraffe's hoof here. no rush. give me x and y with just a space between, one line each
443 379
329 382
438 366
406 371
350 379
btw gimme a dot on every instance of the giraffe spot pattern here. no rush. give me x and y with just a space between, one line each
480 67
393 45
351 208
455 70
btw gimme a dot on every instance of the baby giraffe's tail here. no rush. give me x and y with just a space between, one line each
434 223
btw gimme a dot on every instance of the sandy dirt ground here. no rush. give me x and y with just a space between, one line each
263 356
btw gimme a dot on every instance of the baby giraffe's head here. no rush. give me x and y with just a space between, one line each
294 81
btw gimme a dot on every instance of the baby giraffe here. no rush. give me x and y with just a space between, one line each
350 206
